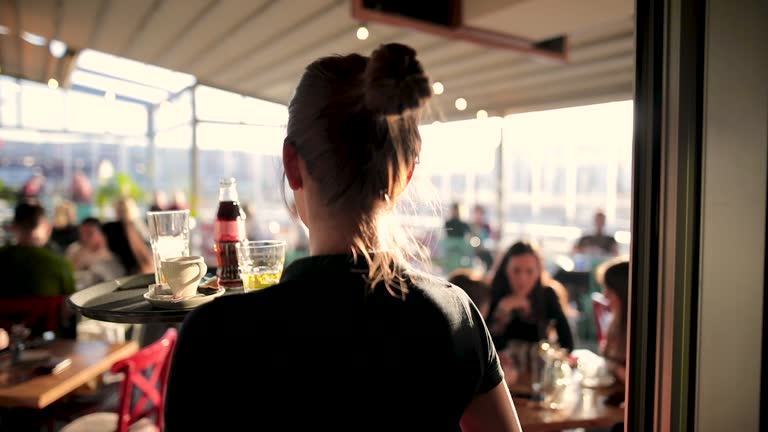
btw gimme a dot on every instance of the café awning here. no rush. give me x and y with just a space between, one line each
259 47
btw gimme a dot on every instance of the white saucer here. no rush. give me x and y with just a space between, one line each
168 301
601 381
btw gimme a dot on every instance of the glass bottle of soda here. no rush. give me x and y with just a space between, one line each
229 230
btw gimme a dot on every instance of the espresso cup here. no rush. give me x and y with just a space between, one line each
183 274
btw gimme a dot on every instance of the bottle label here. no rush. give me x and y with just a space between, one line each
229 230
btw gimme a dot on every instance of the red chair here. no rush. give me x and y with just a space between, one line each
39 313
603 315
146 374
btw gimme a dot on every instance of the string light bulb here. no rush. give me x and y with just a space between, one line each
53 84
461 104
57 48
362 32
482 114
438 88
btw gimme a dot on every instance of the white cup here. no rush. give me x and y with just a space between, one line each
183 274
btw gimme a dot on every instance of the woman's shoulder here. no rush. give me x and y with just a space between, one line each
429 283
441 294
252 308
548 295
548 291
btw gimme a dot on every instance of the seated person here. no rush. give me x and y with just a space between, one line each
522 307
597 243
614 277
126 239
91 258
477 290
28 267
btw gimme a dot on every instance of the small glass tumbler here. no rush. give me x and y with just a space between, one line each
260 263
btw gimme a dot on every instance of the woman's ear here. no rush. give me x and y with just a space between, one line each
410 175
291 166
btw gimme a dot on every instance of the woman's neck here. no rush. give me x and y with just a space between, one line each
331 237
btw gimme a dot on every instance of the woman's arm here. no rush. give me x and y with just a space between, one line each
491 407
555 312
490 412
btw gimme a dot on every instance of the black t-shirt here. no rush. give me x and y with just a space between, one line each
545 307
456 228
321 350
606 244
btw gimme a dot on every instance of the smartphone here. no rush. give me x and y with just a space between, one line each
53 365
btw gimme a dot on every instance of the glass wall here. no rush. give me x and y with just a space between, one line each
561 167
557 168
63 134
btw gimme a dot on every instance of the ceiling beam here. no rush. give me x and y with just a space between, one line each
180 37
322 24
493 60
249 35
10 55
526 66
53 64
119 25
420 41
544 79
298 60
98 26
36 17
141 26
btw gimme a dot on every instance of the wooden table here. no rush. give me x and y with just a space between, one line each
89 360
581 408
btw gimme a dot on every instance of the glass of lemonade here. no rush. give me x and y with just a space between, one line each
261 263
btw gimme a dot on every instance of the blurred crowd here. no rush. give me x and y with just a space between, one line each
523 302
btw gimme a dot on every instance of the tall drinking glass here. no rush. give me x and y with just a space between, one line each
169 237
260 263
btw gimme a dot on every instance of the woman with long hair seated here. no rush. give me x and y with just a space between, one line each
613 275
522 307
353 337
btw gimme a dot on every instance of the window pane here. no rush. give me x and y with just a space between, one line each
519 174
265 140
624 186
257 111
85 112
175 112
552 215
591 180
458 184
41 107
133 71
553 179
219 105
9 102
127 118
519 213
173 160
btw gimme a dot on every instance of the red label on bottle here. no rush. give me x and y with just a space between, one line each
229 230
